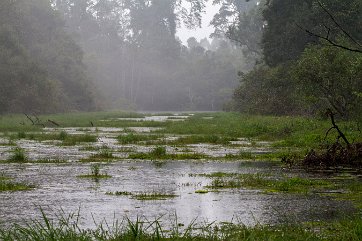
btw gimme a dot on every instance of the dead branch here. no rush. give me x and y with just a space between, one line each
29 118
53 122
337 24
333 43
340 133
328 38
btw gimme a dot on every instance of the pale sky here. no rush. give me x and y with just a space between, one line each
183 33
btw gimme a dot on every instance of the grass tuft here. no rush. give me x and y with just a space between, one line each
18 155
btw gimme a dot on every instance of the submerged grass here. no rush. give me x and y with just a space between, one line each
6 185
133 138
63 136
159 153
145 196
196 139
266 183
18 155
66 227
96 173
153 196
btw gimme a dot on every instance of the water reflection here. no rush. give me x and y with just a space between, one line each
59 187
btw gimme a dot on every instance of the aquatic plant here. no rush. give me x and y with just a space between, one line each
95 169
158 151
96 173
62 135
21 135
265 182
18 155
153 196
202 191
7 185
132 138
72 140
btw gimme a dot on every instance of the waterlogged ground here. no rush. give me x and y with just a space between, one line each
162 185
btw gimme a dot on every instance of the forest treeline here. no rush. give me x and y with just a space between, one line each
41 68
310 58
79 55
278 57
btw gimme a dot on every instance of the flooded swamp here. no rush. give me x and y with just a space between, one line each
145 167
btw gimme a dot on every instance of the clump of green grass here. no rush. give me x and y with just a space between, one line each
203 191
160 153
3 177
63 135
21 135
96 173
72 140
153 196
266 183
8 186
18 155
105 153
130 138
133 138
145 196
196 139
217 174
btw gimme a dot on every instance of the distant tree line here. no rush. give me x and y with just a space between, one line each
304 59
41 68
81 55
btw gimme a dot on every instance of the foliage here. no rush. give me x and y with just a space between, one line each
285 39
304 75
329 77
96 173
18 155
41 66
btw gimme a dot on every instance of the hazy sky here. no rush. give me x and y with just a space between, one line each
183 33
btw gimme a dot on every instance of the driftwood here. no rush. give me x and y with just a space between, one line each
29 118
36 121
340 133
53 122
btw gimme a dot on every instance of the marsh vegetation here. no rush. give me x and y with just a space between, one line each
178 164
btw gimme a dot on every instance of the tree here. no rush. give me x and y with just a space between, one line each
284 39
331 78
41 66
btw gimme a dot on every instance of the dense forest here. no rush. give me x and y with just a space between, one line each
273 57
311 58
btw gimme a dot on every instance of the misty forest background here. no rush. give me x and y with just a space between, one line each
280 57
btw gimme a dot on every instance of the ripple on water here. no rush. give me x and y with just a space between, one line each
58 187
